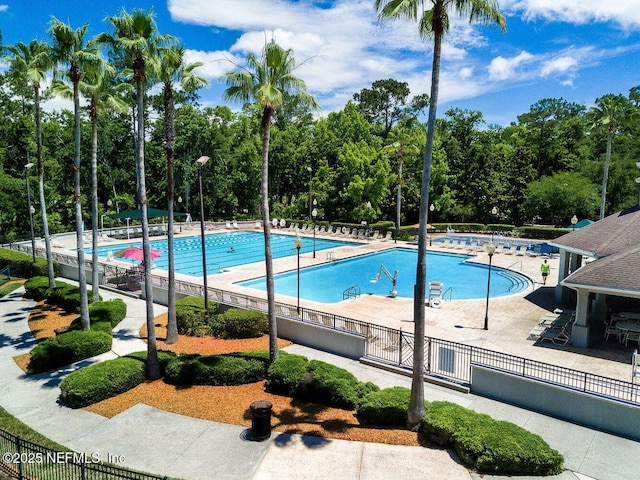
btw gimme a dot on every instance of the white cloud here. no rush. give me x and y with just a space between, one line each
502 68
624 12
563 65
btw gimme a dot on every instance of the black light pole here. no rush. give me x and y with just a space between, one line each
201 161
494 212
432 208
298 243
491 248
180 205
574 220
314 214
310 191
27 167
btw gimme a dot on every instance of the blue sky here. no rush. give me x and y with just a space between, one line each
576 50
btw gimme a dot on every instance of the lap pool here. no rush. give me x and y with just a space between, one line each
326 283
224 250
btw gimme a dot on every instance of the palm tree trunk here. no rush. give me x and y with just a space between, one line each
153 370
399 199
95 280
170 135
268 257
605 177
43 205
82 272
416 403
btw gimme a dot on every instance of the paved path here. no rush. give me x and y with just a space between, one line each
169 444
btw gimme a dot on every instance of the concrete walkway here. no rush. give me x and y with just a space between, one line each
164 443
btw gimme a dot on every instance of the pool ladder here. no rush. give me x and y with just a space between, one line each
351 292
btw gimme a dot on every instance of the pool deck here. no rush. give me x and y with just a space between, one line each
510 318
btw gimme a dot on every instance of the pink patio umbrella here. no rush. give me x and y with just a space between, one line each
137 253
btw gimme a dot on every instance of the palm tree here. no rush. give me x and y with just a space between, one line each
402 141
136 37
173 70
433 23
30 63
610 111
266 80
71 49
104 95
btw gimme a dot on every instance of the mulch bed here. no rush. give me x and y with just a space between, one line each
225 404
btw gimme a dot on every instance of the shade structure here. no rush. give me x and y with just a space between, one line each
151 213
136 253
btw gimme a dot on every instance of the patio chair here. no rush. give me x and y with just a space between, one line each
235 224
228 224
258 224
633 336
556 336
610 328
520 250
375 235
387 237
635 366
283 223
274 222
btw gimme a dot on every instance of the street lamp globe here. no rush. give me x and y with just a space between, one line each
574 220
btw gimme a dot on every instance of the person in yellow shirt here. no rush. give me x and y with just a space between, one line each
544 268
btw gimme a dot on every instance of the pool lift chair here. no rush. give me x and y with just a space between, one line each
392 278
435 294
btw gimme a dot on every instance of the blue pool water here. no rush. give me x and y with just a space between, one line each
248 247
326 283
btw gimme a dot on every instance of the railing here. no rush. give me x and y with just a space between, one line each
445 359
450 290
5 275
27 460
351 292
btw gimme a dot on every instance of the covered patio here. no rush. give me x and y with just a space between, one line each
599 272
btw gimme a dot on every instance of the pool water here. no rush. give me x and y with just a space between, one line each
248 247
462 280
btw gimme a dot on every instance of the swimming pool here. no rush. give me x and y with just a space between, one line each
248 247
326 283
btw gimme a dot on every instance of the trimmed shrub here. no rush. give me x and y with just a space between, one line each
334 386
68 348
287 373
22 264
489 445
190 316
36 288
101 381
543 233
164 357
111 311
239 323
214 370
385 407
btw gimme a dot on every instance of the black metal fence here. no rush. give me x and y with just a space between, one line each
26 460
443 358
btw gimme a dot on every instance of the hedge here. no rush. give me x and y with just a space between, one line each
489 445
316 381
190 369
36 287
386 407
101 381
190 316
112 311
239 323
68 348
22 264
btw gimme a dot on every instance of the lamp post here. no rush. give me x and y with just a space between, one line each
314 214
491 248
32 210
574 220
432 208
201 162
180 203
310 190
298 243
494 212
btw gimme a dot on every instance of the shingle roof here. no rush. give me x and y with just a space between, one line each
615 242
611 235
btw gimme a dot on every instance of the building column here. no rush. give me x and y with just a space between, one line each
580 330
562 293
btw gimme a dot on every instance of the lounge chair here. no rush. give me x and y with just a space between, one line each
274 222
375 235
235 224
283 223
520 250
387 237
322 230
228 224
258 224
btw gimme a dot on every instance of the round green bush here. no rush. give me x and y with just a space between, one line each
240 323
334 386
190 316
36 287
286 374
214 370
68 348
489 445
112 311
386 407
100 381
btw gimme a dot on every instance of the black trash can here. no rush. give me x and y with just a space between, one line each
260 420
